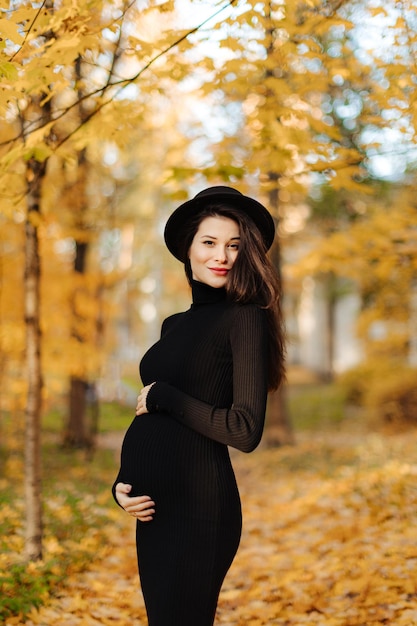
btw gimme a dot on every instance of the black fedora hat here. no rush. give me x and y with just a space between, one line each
175 226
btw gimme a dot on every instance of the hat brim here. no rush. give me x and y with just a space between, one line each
176 224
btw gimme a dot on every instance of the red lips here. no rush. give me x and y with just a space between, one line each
220 271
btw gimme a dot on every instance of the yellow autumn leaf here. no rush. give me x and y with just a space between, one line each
9 29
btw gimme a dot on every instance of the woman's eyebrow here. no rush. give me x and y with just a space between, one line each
212 237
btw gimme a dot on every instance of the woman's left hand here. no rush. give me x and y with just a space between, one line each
141 403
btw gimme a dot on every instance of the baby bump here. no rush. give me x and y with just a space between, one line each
148 446
176 466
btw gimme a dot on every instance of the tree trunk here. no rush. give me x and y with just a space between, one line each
412 351
33 501
78 433
35 174
279 429
331 300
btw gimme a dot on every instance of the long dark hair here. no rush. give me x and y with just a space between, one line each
252 279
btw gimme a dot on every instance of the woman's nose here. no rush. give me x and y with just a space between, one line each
221 255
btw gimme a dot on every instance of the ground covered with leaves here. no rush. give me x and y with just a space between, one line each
329 539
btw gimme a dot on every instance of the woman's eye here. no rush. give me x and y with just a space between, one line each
234 246
207 242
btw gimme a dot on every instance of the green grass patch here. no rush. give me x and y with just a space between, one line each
21 590
112 416
316 406
76 505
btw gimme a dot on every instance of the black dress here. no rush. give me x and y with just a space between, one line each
210 368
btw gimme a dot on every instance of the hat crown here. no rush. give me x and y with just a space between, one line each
215 191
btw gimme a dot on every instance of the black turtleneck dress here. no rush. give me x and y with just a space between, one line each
210 368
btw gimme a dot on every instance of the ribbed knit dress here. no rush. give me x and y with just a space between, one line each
210 368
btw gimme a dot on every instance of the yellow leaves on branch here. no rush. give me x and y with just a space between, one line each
378 241
10 30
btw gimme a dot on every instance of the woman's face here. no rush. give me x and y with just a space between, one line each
214 250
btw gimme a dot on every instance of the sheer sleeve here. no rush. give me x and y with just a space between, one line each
240 425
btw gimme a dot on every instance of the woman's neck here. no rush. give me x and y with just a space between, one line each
205 294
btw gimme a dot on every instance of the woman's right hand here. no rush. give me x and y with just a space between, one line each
139 507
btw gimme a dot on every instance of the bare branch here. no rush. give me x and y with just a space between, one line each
30 29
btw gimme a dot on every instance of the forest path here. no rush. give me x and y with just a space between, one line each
329 539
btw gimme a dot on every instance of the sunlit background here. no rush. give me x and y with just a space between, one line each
133 108
111 114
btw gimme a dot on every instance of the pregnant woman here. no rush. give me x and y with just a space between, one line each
205 388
